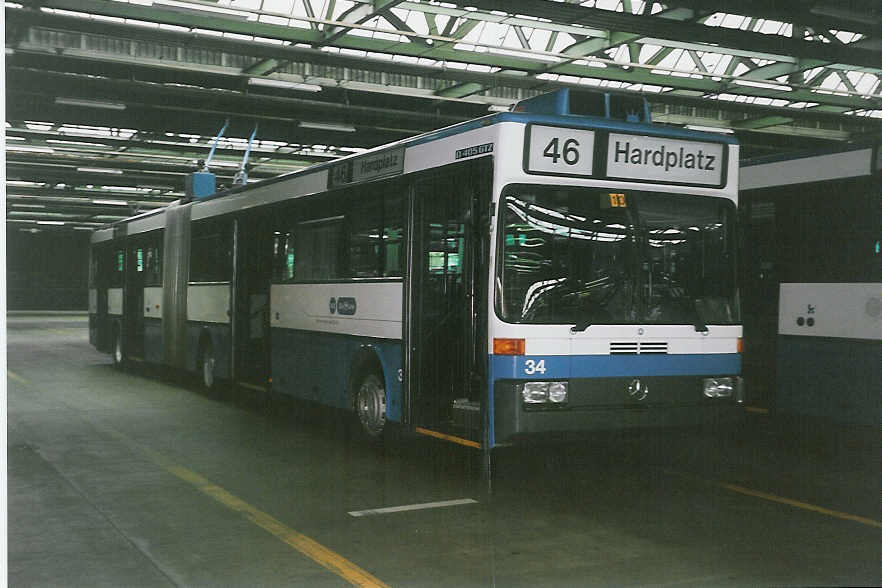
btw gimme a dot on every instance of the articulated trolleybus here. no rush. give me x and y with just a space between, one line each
567 266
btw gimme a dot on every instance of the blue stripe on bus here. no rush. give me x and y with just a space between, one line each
538 367
316 366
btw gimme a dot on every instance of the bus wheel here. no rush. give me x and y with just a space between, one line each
370 405
207 363
118 355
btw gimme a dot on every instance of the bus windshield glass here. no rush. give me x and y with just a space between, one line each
588 256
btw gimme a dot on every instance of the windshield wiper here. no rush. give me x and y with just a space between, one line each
700 326
581 326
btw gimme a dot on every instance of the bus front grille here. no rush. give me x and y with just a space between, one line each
637 347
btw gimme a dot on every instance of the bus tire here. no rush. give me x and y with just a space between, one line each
370 405
117 352
207 366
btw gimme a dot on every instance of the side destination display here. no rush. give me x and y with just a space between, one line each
657 159
368 167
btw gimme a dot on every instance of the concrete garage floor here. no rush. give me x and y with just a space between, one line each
122 480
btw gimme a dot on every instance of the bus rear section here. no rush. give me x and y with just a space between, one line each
813 274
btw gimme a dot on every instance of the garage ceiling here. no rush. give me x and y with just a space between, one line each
110 103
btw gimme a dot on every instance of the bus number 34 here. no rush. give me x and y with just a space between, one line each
531 366
569 151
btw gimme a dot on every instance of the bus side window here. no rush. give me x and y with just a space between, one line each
284 259
318 249
153 264
94 267
211 252
393 235
119 266
365 220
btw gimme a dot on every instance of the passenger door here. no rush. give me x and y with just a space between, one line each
134 300
99 324
446 290
253 270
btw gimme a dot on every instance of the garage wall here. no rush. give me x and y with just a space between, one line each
47 270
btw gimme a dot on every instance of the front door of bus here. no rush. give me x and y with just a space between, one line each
445 350
134 302
251 305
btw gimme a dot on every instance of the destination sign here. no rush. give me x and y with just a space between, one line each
658 159
367 167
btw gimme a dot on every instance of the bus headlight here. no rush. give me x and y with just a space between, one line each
557 392
535 392
544 392
718 387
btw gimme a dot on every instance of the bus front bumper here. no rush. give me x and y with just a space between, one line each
604 404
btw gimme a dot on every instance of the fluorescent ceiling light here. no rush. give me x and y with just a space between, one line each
710 129
50 222
499 108
765 85
83 229
25 184
30 149
99 170
326 127
90 103
111 202
78 143
274 83
28 206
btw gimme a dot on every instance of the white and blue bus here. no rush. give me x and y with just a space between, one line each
813 279
567 266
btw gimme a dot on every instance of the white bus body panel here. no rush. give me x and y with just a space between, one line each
807 169
153 302
208 303
275 191
448 150
148 223
102 235
847 311
600 339
308 307
115 301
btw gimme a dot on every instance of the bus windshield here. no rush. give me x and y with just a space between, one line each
588 256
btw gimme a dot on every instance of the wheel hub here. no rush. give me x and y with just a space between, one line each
371 406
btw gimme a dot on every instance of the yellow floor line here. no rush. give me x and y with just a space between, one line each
803 505
315 551
451 438
312 549
780 499
756 409
14 376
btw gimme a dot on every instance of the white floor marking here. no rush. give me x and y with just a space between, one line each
423 506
